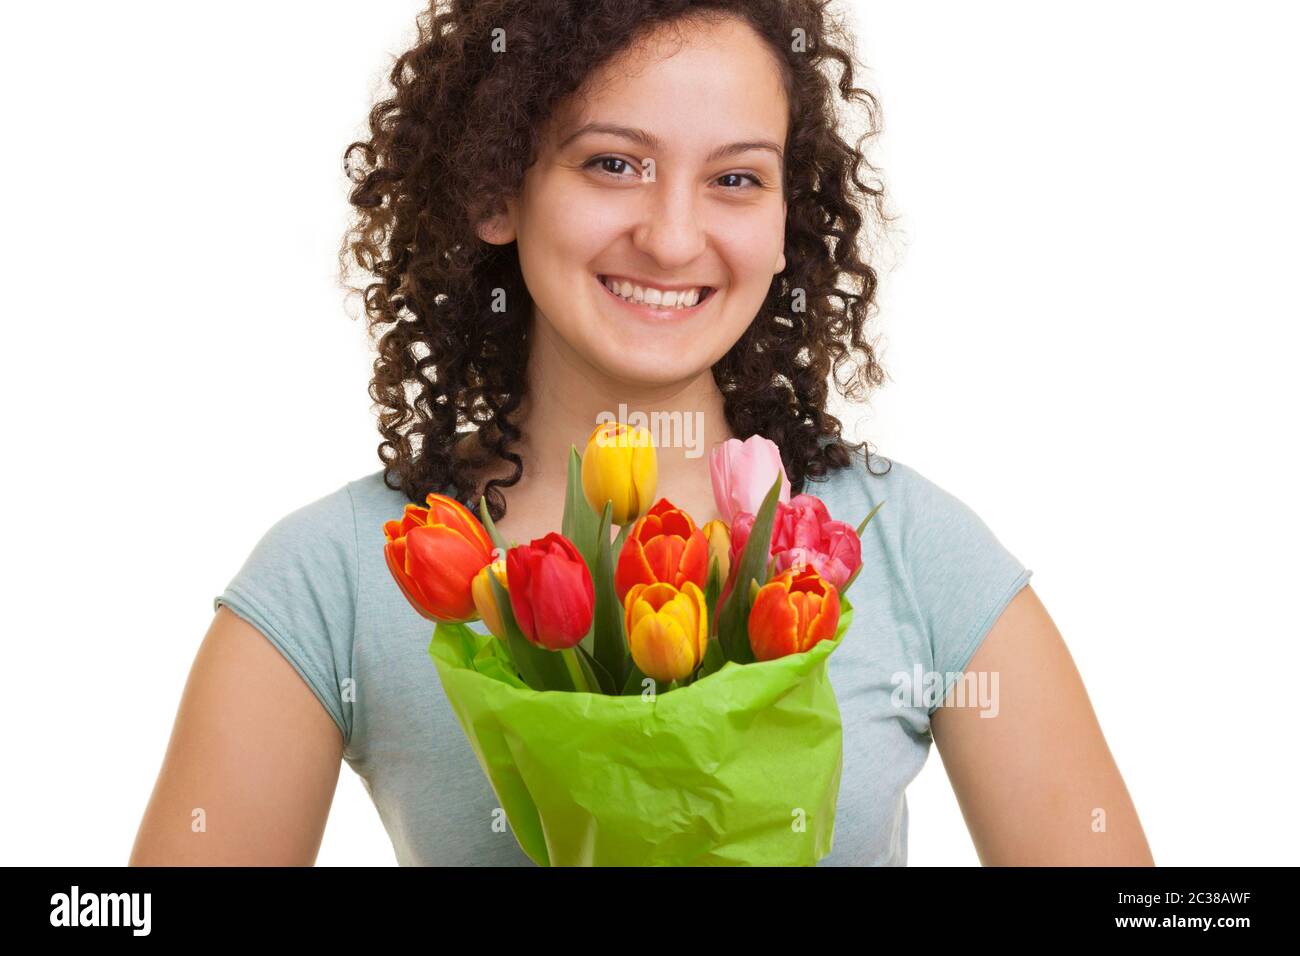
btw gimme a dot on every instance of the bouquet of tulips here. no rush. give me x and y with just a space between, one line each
655 697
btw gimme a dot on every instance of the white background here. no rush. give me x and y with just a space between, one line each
1090 329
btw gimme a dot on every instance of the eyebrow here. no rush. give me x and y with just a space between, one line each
651 142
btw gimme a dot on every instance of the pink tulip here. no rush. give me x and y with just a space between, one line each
743 473
804 534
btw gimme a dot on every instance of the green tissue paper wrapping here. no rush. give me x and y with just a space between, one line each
740 768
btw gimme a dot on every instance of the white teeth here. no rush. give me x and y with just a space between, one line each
664 298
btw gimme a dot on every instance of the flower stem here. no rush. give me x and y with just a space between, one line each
570 656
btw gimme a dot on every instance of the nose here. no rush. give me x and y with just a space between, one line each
671 230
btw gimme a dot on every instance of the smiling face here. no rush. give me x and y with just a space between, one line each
657 176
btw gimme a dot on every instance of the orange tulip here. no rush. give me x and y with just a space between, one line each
434 554
667 629
791 613
664 546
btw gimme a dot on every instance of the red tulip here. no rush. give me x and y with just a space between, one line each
663 547
551 593
803 533
434 554
791 613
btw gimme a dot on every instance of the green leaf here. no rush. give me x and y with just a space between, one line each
862 527
733 619
712 591
590 641
610 629
600 676
580 523
539 668
617 548
712 588
713 659
486 517
594 685
632 686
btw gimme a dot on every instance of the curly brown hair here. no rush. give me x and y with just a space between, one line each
455 139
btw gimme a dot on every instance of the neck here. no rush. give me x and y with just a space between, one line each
568 397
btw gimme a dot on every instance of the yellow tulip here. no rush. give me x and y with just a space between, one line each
667 629
481 588
619 465
719 536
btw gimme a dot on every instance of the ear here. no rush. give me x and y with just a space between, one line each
498 228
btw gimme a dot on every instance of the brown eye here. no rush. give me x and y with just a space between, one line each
604 162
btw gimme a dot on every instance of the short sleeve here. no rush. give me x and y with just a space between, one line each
298 586
962 577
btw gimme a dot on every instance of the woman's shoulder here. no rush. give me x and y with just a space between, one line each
298 585
956 573
374 503
919 517
908 499
305 563
318 531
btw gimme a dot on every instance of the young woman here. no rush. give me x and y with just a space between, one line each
642 204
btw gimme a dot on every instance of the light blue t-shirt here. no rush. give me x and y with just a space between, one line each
934 580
